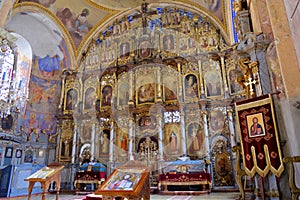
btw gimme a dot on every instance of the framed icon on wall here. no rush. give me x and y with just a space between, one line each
8 152
18 153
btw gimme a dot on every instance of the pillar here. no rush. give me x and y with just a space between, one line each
57 141
74 143
111 142
130 135
158 79
131 89
204 117
202 92
231 127
160 138
182 123
93 142
222 55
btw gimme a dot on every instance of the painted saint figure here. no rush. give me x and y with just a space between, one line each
106 95
168 42
146 93
71 99
18 153
28 156
105 143
145 49
256 128
195 140
81 27
90 96
173 142
124 142
191 86
124 50
124 183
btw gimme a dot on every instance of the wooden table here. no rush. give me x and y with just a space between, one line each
45 176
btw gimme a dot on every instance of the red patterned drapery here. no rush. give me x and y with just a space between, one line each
259 138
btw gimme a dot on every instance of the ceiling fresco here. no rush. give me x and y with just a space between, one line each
80 17
118 4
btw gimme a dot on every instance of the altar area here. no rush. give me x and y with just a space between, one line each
152 104
89 177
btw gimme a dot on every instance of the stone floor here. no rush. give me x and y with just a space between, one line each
211 196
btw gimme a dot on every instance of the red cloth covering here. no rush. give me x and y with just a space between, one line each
182 177
261 152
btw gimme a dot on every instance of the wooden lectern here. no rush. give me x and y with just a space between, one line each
45 176
130 181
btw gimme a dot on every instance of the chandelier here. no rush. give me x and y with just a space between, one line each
13 94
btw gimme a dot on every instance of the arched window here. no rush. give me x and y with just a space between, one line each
15 69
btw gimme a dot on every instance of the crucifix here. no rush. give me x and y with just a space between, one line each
144 13
250 91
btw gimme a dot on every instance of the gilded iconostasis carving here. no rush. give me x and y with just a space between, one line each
153 86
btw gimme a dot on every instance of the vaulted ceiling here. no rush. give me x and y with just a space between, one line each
59 16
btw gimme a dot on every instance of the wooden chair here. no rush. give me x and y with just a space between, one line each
294 189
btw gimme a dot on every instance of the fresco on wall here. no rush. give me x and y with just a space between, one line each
50 57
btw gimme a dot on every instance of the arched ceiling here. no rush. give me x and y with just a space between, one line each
98 12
